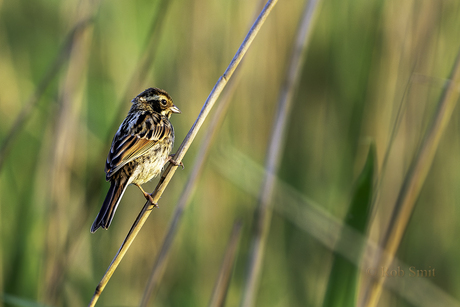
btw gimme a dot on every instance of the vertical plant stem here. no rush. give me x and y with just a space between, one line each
415 178
264 209
170 170
223 280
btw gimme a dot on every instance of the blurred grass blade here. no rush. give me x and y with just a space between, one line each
223 281
64 145
274 152
343 279
49 76
415 179
183 148
12 300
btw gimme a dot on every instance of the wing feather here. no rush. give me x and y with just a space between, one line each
136 137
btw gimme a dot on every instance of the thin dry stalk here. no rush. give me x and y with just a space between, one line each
420 42
223 280
49 76
170 170
415 178
264 210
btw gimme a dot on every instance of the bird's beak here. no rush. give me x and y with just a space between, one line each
175 109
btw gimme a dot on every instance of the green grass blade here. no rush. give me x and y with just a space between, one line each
341 289
12 300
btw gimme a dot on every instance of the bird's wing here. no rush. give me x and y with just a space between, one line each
134 138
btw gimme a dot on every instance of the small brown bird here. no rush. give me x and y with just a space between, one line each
140 149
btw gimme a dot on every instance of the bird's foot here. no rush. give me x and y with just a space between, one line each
174 162
150 199
147 196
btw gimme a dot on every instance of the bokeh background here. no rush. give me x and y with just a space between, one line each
374 73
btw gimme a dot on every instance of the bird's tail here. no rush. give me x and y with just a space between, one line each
105 216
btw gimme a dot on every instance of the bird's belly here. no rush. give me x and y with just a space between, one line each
150 165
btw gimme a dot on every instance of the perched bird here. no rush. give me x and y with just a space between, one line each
140 149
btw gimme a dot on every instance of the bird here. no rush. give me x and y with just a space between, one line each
140 149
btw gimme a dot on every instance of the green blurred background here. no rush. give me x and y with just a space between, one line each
367 62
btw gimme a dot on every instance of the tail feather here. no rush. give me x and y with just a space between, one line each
105 215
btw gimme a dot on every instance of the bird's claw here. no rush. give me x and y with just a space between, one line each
147 196
174 162
150 199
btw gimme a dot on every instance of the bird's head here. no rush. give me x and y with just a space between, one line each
156 100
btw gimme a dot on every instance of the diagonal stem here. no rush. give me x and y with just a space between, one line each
223 280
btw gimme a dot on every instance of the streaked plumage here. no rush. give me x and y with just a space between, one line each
140 149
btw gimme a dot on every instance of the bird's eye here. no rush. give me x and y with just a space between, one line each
163 102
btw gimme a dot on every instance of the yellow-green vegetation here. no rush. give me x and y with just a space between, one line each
373 77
